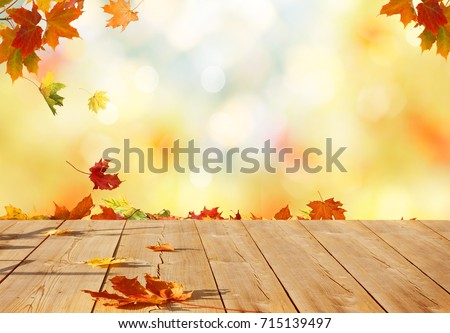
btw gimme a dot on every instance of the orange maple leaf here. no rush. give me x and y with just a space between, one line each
156 292
326 210
121 12
58 23
161 248
82 209
402 7
283 214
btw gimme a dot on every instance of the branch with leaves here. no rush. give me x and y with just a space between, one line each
26 31
432 15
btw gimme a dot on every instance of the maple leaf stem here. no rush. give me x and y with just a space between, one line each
135 211
320 195
31 81
86 173
87 91
137 5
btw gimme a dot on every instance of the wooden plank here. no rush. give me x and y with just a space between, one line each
440 226
18 239
393 281
241 272
54 275
314 280
425 248
188 265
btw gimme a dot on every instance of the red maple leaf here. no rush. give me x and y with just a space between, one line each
29 36
101 180
431 15
207 214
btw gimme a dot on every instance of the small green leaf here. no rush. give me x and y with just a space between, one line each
49 90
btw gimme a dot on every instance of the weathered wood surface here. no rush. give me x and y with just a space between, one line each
264 266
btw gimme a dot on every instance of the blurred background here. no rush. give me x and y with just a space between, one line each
234 74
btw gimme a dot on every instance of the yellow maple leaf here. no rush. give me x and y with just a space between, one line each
13 213
161 248
97 262
98 101
121 12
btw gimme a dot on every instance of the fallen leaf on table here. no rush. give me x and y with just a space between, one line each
161 248
156 292
97 262
207 214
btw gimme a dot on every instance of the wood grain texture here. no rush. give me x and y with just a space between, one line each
53 277
245 279
314 280
18 239
188 265
425 248
391 279
440 226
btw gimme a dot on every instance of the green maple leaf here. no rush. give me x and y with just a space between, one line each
49 90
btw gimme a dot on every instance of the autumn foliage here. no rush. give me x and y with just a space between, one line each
41 24
432 15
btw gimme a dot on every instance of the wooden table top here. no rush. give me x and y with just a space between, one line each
264 266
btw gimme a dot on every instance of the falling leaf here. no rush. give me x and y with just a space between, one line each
121 12
49 90
29 35
156 292
123 208
13 213
161 248
101 180
107 214
97 262
98 101
207 214
58 232
82 209
326 210
431 15
58 23
283 214
402 7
